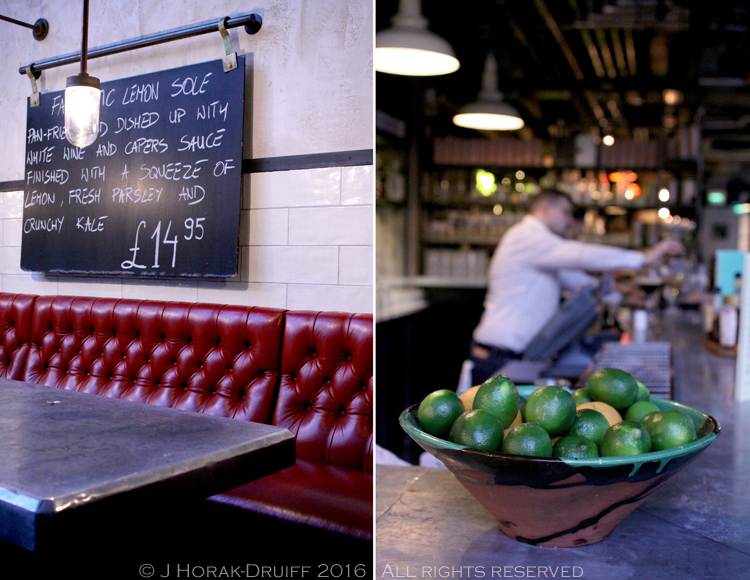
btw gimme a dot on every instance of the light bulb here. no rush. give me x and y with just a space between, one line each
82 111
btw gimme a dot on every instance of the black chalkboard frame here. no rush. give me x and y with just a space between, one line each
167 168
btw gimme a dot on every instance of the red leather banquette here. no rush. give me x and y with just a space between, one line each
311 372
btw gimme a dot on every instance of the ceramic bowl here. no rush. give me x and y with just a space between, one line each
562 502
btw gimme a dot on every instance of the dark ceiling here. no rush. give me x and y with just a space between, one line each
583 65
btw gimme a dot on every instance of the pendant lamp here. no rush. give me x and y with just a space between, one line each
408 48
489 113
82 95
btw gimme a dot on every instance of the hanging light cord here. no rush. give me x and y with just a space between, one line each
85 37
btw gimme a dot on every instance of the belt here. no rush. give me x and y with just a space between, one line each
495 351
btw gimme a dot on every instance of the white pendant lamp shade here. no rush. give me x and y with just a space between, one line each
408 48
489 113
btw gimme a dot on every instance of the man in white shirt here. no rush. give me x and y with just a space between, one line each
525 283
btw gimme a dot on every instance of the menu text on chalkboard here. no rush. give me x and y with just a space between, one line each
157 194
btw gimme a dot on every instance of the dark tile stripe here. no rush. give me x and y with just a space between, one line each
11 185
266 164
312 161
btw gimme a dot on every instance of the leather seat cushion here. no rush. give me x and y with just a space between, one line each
312 493
15 329
214 359
326 391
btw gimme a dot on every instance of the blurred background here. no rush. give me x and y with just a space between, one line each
639 110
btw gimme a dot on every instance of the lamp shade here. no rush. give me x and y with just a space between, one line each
489 116
82 97
414 52
489 113
408 48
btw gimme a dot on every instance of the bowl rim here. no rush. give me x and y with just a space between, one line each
409 423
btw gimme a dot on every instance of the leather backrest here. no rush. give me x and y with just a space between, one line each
15 329
326 391
220 360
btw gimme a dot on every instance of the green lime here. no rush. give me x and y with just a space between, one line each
639 410
575 447
479 429
590 424
647 418
626 438
528 439
438 411
552 408
522 406
643 394
614 387
582 396
671 429
499 396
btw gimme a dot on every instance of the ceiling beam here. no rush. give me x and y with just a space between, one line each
555 30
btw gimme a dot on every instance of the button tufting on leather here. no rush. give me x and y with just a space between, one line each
343 413
348 359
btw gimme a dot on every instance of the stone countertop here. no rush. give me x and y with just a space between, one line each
698 526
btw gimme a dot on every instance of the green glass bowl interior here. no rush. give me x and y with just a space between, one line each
707 427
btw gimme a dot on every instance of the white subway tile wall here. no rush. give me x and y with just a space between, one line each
304 297
306 242
355 266
305 97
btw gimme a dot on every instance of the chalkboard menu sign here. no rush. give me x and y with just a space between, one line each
157 194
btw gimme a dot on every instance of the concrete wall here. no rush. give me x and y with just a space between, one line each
306 236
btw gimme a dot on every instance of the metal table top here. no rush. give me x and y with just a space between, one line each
64 452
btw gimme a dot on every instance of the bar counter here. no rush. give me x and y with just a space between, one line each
697 526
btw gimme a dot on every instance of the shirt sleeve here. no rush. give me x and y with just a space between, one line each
575 279
551 252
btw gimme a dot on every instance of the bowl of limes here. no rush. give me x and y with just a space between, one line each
556 467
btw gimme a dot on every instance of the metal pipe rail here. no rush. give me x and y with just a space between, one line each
251 21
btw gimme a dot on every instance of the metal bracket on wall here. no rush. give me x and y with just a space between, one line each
34 76
230 60
39 29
